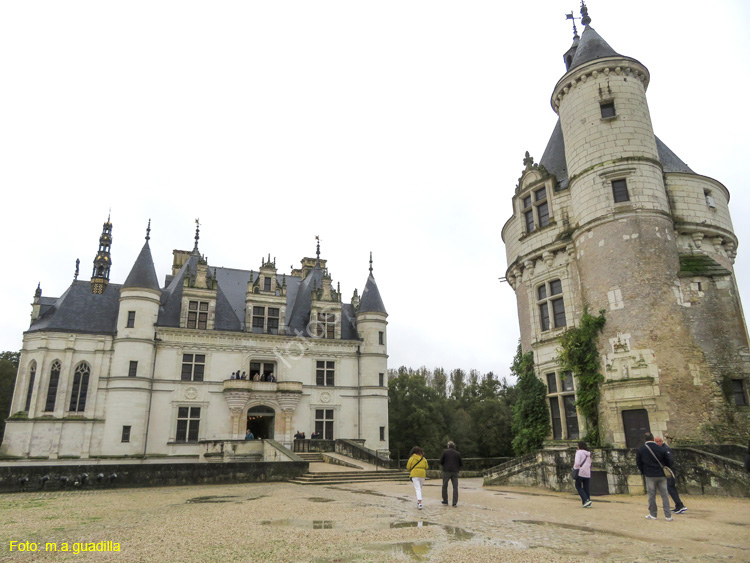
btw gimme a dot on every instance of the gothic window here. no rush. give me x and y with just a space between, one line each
80 388
262 369
562 403
188 423
131 319
324 423
620 191
197 314
133 369
324 373
324 325
54 381
193 367
266 320
536 210
30 389
551 305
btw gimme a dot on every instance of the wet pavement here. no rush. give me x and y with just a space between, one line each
376 521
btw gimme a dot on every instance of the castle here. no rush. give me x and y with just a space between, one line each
139 369
611 219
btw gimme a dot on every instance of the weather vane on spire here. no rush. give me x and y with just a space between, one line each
148 231
570 16
371 261
317 251
197 233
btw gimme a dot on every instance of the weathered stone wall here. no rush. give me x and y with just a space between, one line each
697 472
144 475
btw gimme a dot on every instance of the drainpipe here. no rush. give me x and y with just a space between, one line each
359 396
150 395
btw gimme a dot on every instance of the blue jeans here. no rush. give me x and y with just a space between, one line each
582 486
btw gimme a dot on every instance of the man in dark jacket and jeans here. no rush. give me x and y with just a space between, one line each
451 462
650 458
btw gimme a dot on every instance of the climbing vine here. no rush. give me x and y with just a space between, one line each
578 354
531 424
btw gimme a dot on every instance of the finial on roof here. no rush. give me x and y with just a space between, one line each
585 19
148 231
38 292
570 16
197 234
317 251
78 263
371 261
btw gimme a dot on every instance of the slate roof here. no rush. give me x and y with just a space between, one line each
371 301
143 273
591 46
80 310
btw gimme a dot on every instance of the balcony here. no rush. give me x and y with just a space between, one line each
262 386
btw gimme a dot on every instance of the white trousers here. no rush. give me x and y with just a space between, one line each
418 482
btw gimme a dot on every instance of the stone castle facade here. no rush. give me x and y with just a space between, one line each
144 369
611 219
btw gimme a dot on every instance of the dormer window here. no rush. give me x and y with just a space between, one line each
265 320
197 314
536 210
324 325
267 284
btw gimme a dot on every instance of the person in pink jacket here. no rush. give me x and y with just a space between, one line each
583 465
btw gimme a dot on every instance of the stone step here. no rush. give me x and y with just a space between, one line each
349 477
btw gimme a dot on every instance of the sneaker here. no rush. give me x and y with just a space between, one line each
668 519
649 517
445 502
587 504
680 511
455 504
419 505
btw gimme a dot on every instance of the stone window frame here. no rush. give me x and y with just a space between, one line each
610 177
131 320
125 434
325 375
323 324
265 319
197 314
549 302
187 423
264 367
53 385
739 392
535 210
79 388
324 419
564 391
133 368
197 368
605 106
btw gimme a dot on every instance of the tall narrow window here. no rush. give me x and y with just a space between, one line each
542 209
739 396
133 369
324 423
30 390
80 388
381 379
273 320
325 325
131 319
528 214
562 403
197 315
188 423
193 367
551 383
571 418
125 434
266 284
54 381
324 373
550 301
556 418
381 337
620 191
382 433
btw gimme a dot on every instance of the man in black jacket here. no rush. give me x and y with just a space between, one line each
679 506
650 458
451 462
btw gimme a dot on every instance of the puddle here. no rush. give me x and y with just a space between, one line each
201 500
320 499
586 529
454 533
369 492
309 524
417 550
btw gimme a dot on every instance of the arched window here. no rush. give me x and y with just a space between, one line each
30 390
80 387
54 381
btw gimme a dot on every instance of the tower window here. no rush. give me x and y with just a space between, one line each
131 319
125 434
620 191
710 201
381 379
562 407
550 302
381 337
739 397
608 109
197 314
133 369
536 211
193 367
382 433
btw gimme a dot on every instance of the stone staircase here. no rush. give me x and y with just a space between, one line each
311 456
340 477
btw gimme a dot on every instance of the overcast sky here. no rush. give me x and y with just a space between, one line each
392 127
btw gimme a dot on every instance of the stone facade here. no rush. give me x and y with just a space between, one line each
143 369
611 219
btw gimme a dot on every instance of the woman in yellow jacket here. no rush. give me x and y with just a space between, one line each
417 467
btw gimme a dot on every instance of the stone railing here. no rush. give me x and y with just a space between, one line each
263 386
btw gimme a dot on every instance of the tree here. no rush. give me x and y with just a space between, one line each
531 422
8 371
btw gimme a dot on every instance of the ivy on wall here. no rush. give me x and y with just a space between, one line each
531 422
578 354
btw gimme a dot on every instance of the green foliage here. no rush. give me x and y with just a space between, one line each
578 354
8 370
531 423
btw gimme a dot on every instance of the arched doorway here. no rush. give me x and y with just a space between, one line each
261 421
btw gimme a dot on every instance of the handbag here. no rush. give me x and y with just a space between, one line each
420 461
574 472
668 473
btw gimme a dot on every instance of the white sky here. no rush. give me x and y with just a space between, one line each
392 127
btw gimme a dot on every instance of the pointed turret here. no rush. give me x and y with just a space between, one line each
371 302
103 260
143 273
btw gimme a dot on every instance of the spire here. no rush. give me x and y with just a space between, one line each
317 250
371 302
197 235
148 231
570 53
78 264
103 260
371 262
143 273
585 19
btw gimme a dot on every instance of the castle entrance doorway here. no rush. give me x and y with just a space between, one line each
636 424
261 421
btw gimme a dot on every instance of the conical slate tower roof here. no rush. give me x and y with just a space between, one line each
143 273
371 301
591 47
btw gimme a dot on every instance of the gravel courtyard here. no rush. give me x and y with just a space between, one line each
366 522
